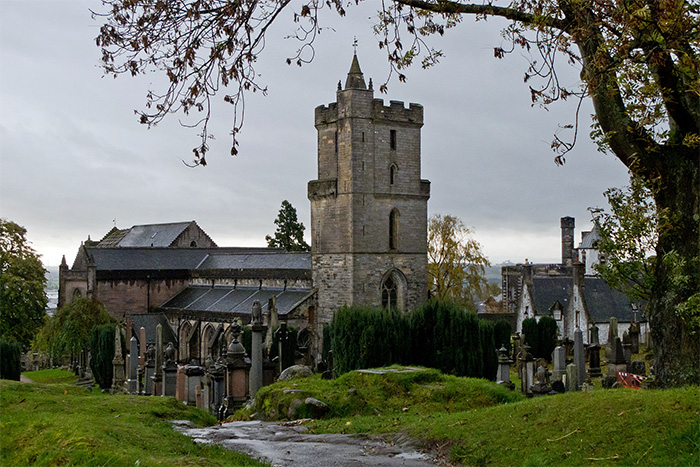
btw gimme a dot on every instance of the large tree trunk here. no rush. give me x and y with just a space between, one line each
676 343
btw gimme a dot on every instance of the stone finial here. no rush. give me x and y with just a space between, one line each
256 314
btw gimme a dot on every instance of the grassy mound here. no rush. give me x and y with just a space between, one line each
390 390
601 428
61 424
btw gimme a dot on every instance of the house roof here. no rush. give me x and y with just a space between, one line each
236 300
591 239
604 303
546 291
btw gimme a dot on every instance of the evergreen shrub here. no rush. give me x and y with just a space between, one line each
102 354
547 331
531 335
10 359
488 348
502 332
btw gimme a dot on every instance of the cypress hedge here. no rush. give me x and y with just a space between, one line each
438 335
102 354
502 332
532 335
10 359
547 331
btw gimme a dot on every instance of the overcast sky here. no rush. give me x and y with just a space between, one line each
75 160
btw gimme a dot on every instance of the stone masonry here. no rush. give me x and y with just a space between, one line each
369 204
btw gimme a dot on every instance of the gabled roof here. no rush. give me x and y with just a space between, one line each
151 235
591 239
236 300
274 259
546 291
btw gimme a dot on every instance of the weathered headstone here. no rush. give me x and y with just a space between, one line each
634 337
169 368
237 374
627 348
158 375
133 366
142 347
572 377
595 339
180 384
256 357
541 386
117 363
527 372
559 362
192 380
594 370
579 356
150 369
503 373
617 361
286 352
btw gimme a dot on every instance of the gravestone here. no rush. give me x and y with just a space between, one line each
142 347
617 361
157 388
627 348
594 370
634 337
256 357
579 356
192 380
527 369
559 362
503 373
180 384
237 374
571 377
150 369
595 339
133 366
612 335
639 367
541 387
117 363
169 368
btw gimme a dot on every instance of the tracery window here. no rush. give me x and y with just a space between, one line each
389 294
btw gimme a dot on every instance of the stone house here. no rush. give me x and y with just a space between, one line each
570 291
368 241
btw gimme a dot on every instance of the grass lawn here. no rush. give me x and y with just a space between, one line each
51 376
476 424
62 424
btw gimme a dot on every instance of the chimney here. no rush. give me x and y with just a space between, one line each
567 240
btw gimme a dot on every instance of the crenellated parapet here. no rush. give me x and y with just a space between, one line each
395 112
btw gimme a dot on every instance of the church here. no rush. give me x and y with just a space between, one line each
368 242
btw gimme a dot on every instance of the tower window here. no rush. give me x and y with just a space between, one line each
392 139
394 230
392 174
336 141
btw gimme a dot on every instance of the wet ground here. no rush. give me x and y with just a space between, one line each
286 444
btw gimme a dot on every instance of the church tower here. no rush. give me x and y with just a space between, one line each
369 206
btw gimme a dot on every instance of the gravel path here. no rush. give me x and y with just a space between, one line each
287 444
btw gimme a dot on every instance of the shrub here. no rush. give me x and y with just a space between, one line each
547 337
501 334
10 359
531 334
488 347
102 354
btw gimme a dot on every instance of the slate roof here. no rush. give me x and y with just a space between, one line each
545 291
190 259
257 260
112 238
237 300
590 240
149 321
604 303
153 235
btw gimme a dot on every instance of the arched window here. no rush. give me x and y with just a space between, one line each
389 294
193 244
393 172
393 290
394 229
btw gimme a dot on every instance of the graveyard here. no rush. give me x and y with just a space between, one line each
464 421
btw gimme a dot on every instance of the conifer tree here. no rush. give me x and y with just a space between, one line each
290 232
